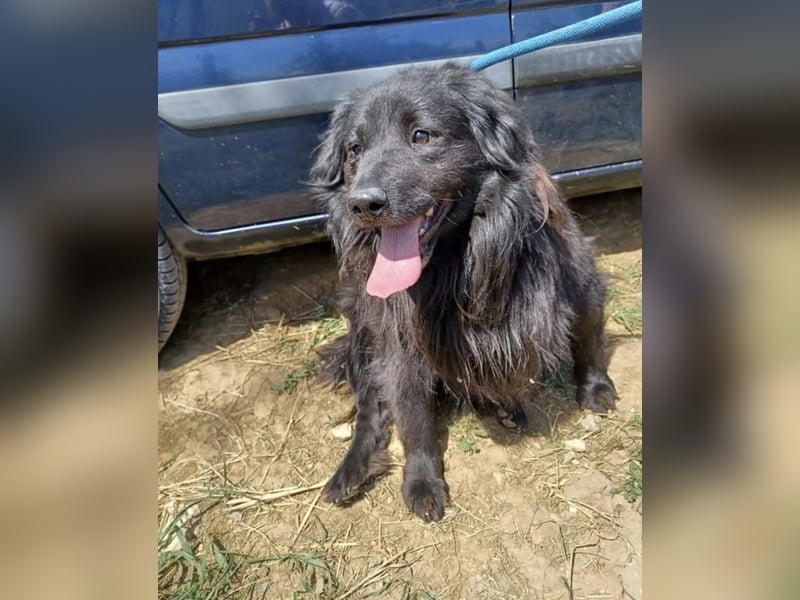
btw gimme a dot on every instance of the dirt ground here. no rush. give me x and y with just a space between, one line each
246 439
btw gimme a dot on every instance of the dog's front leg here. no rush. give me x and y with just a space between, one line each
413 405
366 457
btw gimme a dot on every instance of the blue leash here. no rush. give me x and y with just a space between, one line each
559 36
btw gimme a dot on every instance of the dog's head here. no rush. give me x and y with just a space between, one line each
405 159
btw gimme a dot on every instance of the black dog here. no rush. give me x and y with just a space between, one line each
463 274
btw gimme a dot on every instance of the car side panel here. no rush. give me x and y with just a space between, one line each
590 113
254 172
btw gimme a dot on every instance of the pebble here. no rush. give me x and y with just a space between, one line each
619 503
589 423
508 423
576 444
502 413
343 431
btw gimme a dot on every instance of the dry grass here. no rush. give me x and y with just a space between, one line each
625 295
288 544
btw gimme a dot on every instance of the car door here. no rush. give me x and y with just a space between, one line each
245 87
583 99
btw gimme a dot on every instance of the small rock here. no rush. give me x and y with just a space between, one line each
343 431
572 509
589 423
262 410
502 413
618 503
578 445
508 423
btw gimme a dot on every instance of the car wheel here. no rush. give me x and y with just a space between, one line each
171 288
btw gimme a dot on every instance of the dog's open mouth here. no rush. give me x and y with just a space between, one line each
430 224
403 248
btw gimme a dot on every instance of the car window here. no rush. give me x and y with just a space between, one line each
192 20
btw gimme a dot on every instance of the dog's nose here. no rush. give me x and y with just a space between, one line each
367 201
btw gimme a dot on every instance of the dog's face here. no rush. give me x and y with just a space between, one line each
405 159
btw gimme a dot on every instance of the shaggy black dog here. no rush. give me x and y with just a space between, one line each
463 274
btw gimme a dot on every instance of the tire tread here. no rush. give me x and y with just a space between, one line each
171 288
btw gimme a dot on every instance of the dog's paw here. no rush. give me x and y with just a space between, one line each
426 498
347 480
513 419
599 396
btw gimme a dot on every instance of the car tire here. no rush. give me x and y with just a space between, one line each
171 288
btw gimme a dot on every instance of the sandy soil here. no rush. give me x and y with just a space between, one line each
245 441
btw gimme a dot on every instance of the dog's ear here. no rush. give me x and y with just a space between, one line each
509 212
330 155
498 126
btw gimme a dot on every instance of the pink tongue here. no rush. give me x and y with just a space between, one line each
398 264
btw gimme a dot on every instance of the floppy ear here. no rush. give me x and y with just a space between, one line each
503 219
510 214
327 170
498 126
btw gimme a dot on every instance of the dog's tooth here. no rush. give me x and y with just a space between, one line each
430 212
422 231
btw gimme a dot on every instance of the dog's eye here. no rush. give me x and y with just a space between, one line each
421 137
356 149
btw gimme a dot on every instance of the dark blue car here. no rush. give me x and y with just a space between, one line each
245 87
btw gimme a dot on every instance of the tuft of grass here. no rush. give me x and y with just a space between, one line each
467 431
202 571
625 298
292 378
326 329
468 444
630 317
205 570
631 488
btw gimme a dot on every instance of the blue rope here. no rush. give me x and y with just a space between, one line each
559 36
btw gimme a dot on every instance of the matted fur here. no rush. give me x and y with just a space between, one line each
509 292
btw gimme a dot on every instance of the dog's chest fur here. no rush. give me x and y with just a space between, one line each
475 358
